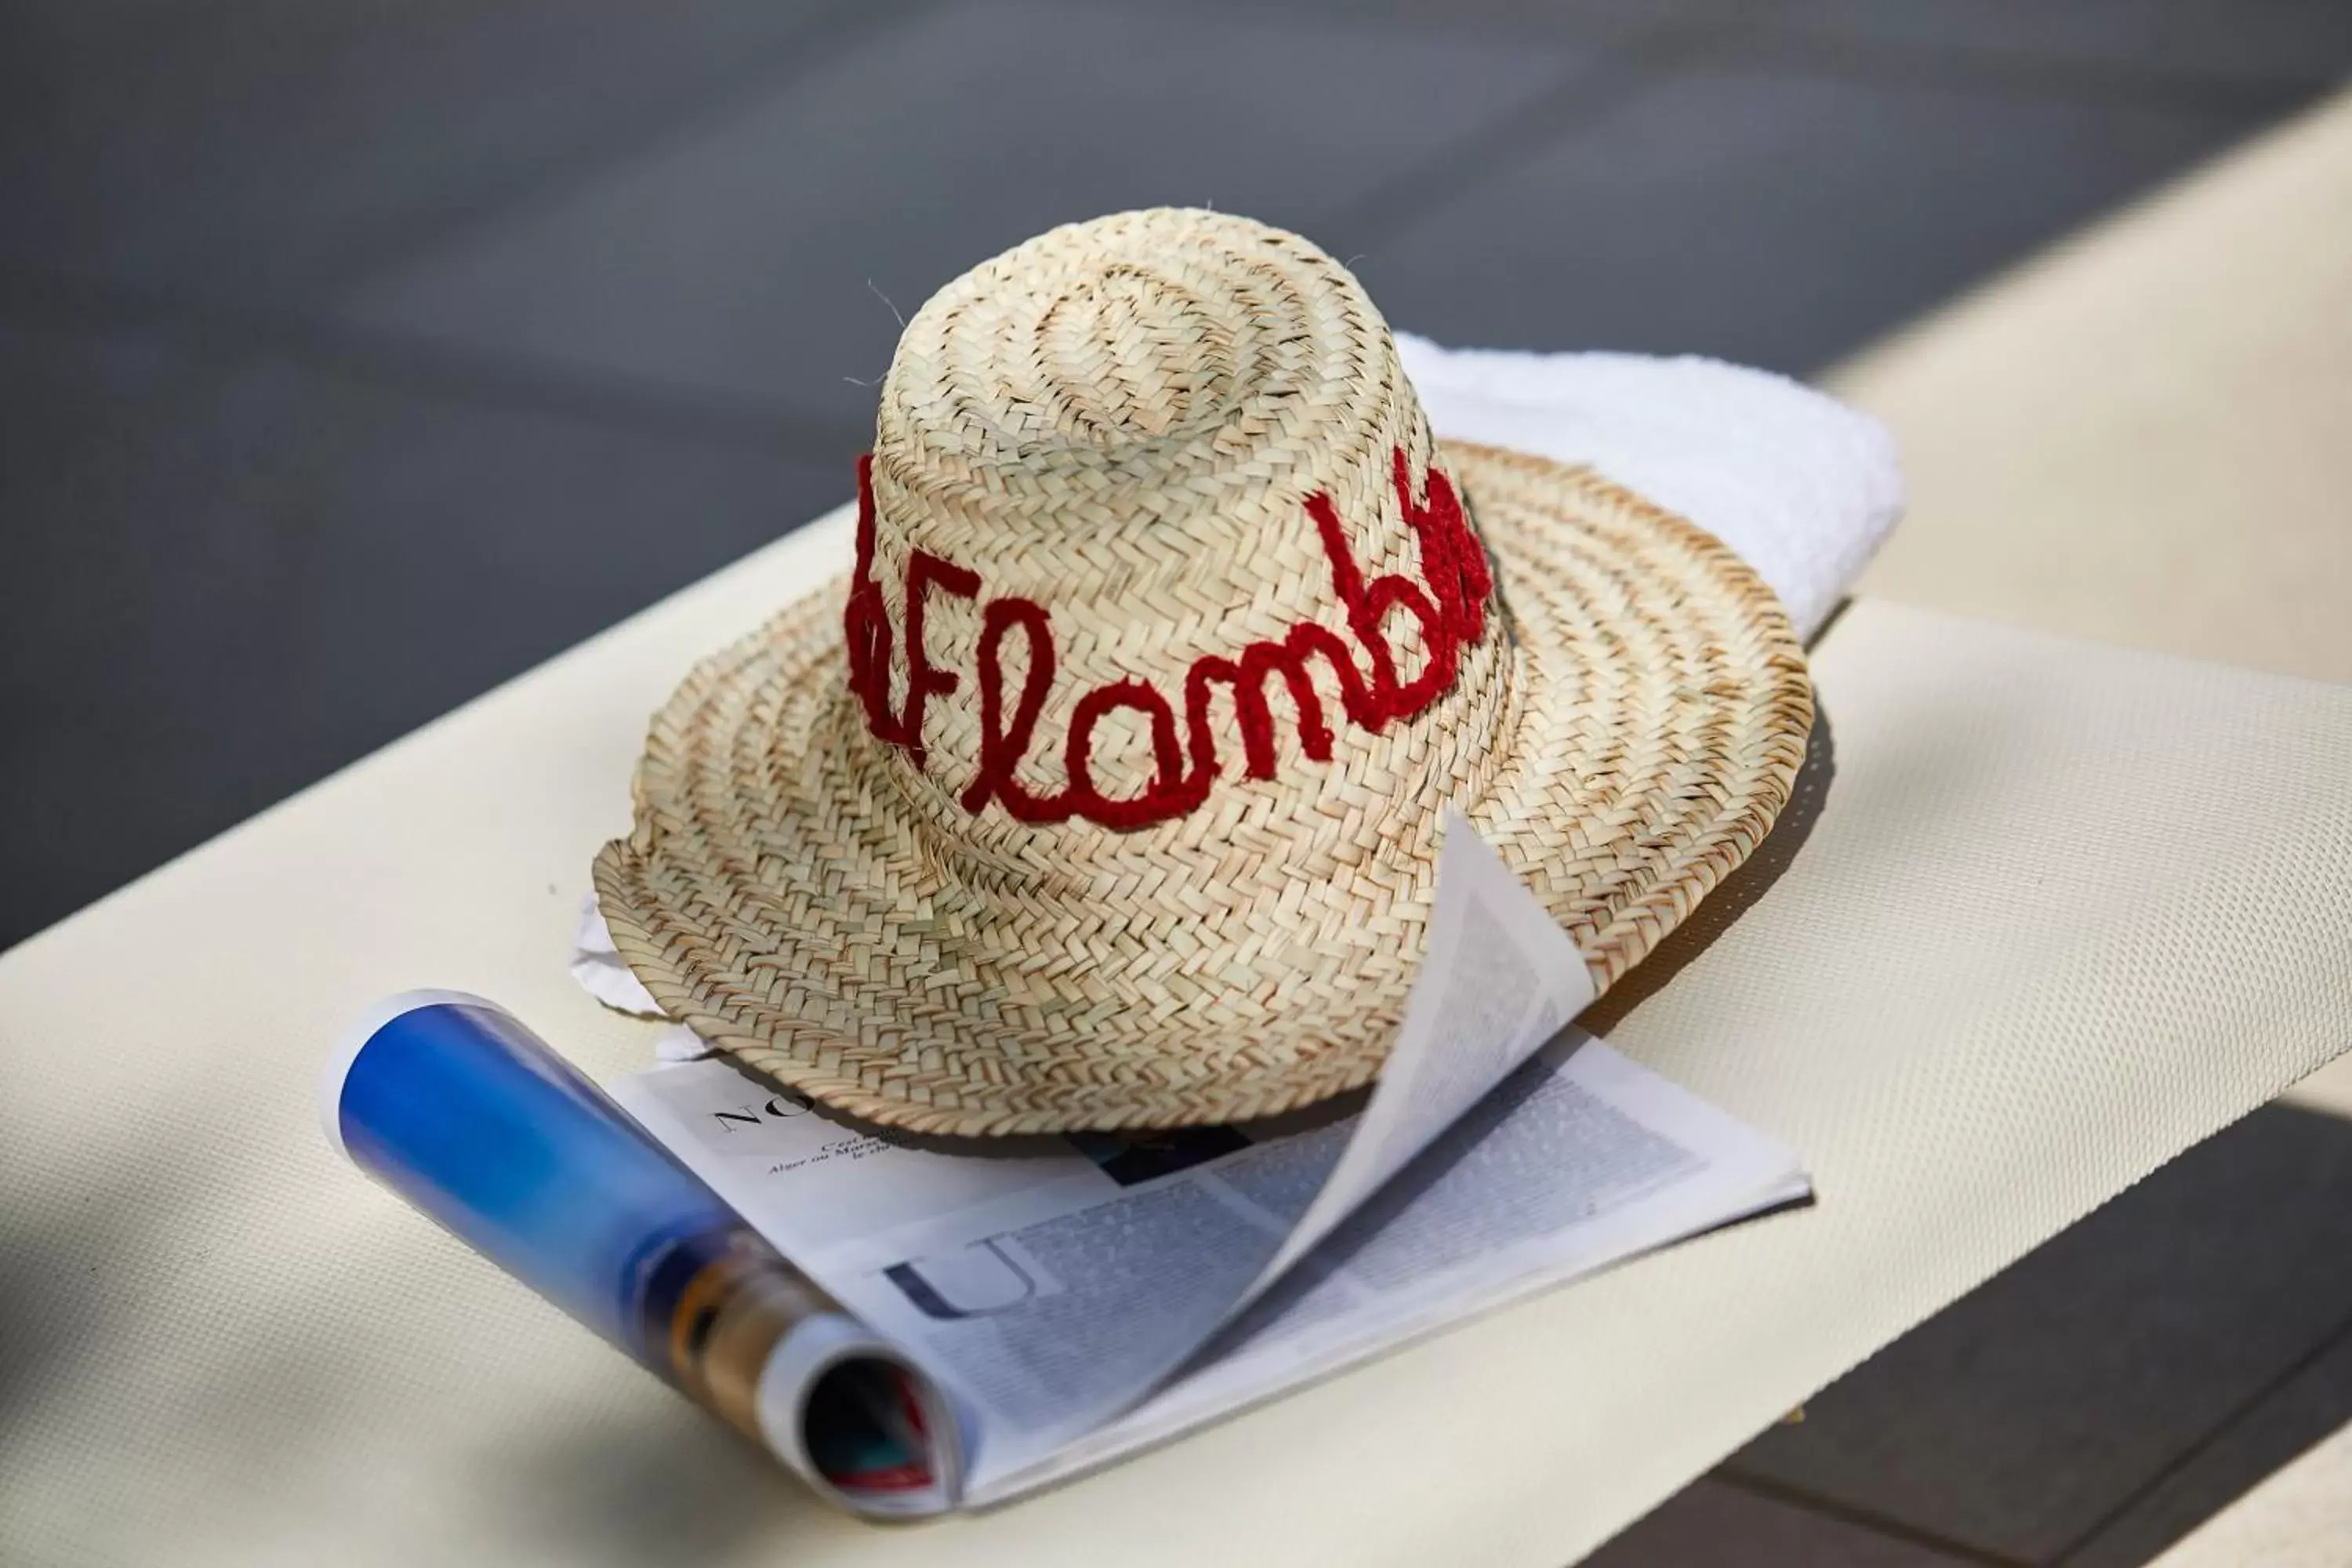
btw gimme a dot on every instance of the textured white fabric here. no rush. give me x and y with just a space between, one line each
1802 487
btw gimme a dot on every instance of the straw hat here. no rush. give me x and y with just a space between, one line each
1105 791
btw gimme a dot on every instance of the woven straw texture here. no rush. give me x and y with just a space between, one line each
1122 429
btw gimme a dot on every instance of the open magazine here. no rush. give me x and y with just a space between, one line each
1070 1300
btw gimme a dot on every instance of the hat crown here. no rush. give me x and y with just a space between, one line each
1153 521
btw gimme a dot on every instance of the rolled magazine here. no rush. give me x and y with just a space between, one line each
451 1102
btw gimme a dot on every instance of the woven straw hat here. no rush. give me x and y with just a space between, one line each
1105 791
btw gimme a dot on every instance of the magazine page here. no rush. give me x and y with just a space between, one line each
1501 979
1052 1283
1579 1159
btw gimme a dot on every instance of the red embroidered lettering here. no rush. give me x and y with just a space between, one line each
865 629
1452 558
1004 743
1156 803
1368 606
924 678
1449 605
1252 714
865 623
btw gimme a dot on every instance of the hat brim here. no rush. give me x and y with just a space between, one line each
785 907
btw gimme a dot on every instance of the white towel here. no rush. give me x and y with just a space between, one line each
1799 486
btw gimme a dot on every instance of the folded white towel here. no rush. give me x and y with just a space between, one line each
1799 486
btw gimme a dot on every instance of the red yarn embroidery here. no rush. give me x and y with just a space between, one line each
1003 743
867 628
1449 605
1171 793
925 680
865 623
